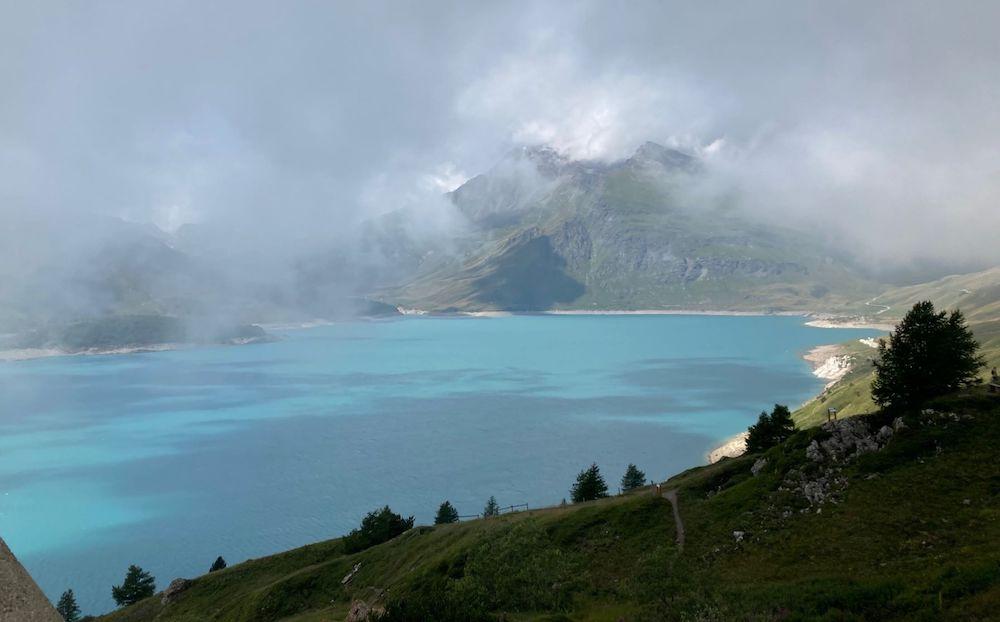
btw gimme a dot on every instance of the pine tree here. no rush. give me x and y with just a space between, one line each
67 607
492 508
218 564
770 429
589 485
446 514
138 584
929 354
377 527
633 478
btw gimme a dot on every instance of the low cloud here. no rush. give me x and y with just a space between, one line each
281 128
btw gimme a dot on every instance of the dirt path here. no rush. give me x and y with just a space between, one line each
671 496
871 302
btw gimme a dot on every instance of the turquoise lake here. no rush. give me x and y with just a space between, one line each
169 459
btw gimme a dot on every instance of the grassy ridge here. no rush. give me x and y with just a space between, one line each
914 536
977 295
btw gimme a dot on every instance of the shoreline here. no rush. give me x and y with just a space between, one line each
814 319
29 354
830 362
862 323
733 447
673 312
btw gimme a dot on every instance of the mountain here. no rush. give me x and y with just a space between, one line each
127 284
547 232
871 518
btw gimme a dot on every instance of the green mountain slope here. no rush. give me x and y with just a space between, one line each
625 235
976 294
847 523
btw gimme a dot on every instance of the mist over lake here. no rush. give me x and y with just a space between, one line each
170 459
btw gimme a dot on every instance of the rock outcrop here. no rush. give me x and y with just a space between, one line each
21 600
362 611
174 589
820 480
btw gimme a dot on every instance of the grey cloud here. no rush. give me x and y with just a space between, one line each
281 125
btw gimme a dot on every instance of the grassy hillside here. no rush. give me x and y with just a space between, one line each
908 532
976 294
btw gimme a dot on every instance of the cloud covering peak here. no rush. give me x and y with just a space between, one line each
290 122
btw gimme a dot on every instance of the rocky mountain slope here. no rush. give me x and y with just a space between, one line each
547 232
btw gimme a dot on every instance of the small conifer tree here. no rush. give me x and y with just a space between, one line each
138 584
377 527
492 508
589 485
929 354
770 429
446 514
67 607
633 478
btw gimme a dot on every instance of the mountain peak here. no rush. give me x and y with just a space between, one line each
547 160
670 158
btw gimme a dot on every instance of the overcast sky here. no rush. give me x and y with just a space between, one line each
880 122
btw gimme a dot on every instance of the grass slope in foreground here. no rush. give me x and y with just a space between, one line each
908 532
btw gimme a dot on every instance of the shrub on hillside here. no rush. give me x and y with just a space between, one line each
433 604
929 354
377 527
218 564
518 568
446 514
589 485
770 429
138 584
633 478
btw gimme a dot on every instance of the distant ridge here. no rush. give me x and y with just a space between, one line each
21 600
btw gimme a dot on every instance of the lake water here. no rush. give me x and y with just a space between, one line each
169 459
